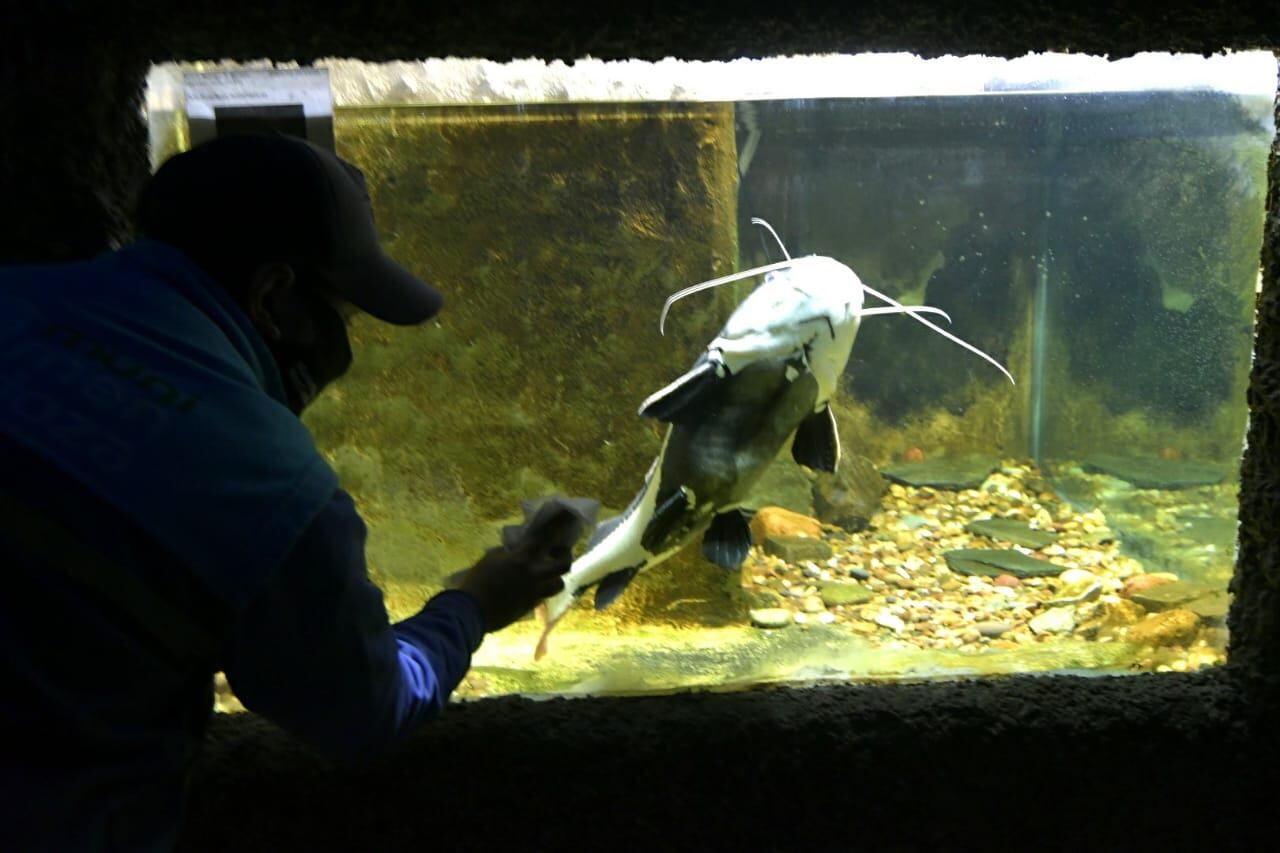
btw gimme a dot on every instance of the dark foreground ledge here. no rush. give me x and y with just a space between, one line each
1172 762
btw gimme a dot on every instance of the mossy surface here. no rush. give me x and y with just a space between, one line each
555 234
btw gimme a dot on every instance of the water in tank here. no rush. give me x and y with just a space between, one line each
818 470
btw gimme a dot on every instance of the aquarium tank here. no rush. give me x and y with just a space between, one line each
1092 225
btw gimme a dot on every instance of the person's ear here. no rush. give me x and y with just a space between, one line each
267 286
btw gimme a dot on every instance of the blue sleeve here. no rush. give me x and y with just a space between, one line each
314 652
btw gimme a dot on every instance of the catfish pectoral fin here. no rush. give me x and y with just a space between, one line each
666 518
728 540
613 585
817 443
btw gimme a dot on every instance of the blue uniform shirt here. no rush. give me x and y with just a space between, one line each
164 515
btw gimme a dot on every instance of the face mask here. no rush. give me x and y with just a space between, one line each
308 369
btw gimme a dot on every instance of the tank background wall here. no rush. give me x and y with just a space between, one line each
552 235
947 203
1046 763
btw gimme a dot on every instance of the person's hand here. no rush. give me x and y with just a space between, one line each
508 583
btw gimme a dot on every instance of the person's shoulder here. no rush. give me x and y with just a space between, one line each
26 269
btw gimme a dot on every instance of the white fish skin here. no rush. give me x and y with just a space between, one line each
784 348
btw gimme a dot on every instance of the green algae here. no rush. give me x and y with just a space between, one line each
555 247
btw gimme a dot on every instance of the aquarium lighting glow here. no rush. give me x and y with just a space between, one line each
870 75
457 81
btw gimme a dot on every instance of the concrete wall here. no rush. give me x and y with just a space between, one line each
1039 763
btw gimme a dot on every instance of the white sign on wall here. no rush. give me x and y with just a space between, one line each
296 101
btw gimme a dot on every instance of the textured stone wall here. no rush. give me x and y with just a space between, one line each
1179 762
1255 620
73 146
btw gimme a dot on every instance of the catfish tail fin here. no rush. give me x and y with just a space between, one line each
547 625
550 612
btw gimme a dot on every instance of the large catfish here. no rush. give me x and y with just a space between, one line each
767 378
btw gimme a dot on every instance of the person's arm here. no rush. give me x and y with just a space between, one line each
315 654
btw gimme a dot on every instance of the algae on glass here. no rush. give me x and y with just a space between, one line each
555 234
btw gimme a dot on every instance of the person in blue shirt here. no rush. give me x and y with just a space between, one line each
164 515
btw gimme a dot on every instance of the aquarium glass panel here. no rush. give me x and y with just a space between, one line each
1091 227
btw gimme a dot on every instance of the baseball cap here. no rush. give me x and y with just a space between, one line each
238 201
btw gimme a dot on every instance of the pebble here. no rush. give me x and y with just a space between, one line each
888 620
837 594
1139 583
1211 608
1118 612
1172 627
1057 620
1077 593
771 617
1077 576
796 548
776 521
904 586
1166 596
